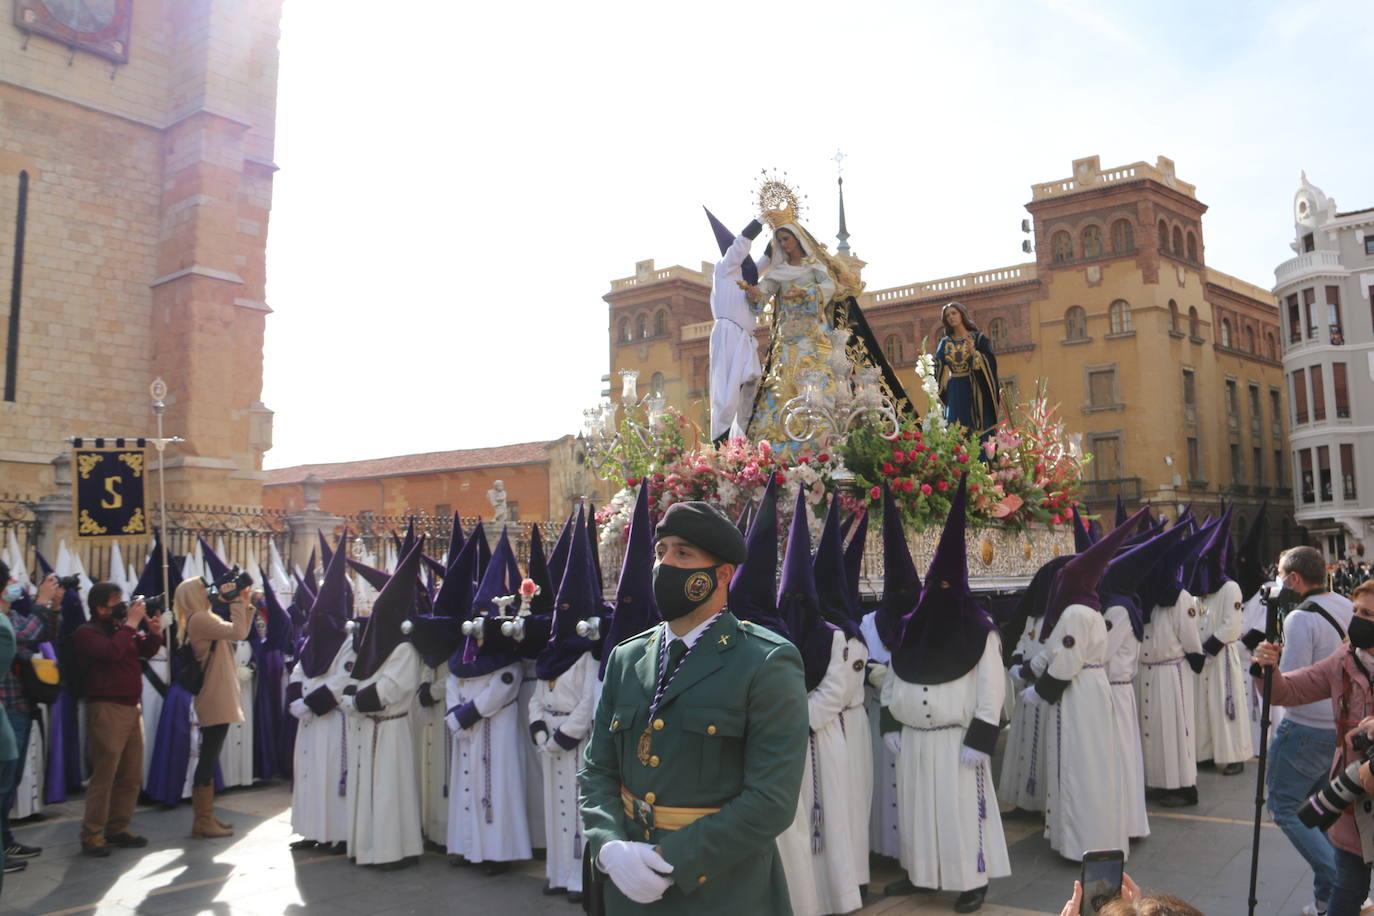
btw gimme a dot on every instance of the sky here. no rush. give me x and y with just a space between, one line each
460 182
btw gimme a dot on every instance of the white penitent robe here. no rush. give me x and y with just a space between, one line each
28 790
858 742
152 703
1253 616
1223 726
884 828
319 800
1083 809
1166 691
383 799
1022 781
565 706
1123 660
236 757
486 792
951 830
433 748
824 881
533 767
735 368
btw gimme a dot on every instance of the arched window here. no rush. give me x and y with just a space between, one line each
1092 242
1163 236
1123 236
1192 246
1194 329
1178 241
624 332
661 323
1062 246
1173 315
997 333
656 383
1226 332
1271 346
642 326
892 348
1075 323
1250 339
1120 314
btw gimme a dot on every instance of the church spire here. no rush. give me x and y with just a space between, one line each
843 234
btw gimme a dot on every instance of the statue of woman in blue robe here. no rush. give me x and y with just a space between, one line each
966 369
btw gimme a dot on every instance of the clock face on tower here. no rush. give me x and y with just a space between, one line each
95 26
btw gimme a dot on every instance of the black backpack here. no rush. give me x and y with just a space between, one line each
189 673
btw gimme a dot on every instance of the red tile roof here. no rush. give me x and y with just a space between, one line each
426 463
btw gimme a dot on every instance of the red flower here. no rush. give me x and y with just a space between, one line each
822 457
942 485
963 459
908 435
908 485
888 469
926 490
875 493
1056 520
631 481
781 478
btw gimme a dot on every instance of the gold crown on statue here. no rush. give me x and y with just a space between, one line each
778 201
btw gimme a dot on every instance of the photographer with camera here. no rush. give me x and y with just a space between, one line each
109 650
34 621
218 702
1327 697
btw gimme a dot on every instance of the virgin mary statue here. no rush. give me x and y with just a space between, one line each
820 345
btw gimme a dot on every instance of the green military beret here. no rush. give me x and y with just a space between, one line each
704 526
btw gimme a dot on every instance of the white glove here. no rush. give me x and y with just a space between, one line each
301 711
877 673
893 740
971 758
245 674
349 705
635 868
1030 697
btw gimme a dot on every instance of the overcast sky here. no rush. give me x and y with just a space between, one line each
460 182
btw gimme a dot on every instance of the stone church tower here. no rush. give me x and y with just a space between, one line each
136 144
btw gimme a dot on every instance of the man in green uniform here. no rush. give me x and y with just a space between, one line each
697 751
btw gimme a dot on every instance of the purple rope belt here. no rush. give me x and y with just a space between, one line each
486 770
1035 751
343 758
817 812
1226 676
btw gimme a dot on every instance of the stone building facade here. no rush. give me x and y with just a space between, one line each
1170 370
147 186
1326 300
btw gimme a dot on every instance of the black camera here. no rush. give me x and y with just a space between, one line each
154 605
69 583
1272 594
229 586
1325 805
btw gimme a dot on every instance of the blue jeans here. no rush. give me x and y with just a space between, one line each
1299 758
1352 885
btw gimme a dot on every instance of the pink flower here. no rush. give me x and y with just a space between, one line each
875 493
926 490
528 588
889 469
962 459
765 449
1056 520
942 485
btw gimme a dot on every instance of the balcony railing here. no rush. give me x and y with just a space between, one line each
1312 262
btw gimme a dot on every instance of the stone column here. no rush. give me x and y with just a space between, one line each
306 523
54 511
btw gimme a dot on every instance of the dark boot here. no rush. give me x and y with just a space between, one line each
970 901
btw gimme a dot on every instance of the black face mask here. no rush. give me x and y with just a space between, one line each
680 591
120 612
1361 633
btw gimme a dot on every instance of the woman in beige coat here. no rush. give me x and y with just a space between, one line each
218 703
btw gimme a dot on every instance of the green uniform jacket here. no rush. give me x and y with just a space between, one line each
9 748
734 735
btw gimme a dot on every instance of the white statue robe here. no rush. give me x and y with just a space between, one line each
319 800
884 827
826 881
564 704
1166 693
1083 809
951 827
858 742
236 757
534 773
734 352
1022 780
486 786
383 798
1223 726
433 748
1253 618
1123 661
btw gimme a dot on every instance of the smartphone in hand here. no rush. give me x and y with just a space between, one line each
1101 878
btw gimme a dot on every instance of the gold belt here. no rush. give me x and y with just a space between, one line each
661 817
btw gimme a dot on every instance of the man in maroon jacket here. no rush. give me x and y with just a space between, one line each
109 647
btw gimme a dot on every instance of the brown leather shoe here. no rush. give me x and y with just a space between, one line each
126 840
95 846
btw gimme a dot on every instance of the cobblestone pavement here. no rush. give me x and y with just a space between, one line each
1201 854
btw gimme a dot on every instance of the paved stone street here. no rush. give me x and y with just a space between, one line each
1202 855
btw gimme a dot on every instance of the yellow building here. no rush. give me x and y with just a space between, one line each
135 185
1170 370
